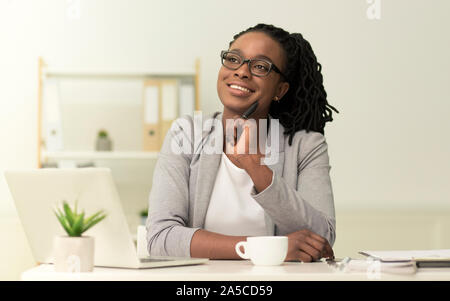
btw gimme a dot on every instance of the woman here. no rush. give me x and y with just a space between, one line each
202 204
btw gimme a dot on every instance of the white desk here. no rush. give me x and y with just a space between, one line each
229 270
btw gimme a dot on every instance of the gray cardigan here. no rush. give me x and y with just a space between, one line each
299 197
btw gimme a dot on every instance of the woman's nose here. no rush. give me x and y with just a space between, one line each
243 71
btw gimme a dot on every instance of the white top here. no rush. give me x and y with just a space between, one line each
232 210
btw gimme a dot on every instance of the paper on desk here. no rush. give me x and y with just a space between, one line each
375 266
387 256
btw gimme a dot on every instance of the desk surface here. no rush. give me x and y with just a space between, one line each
230 270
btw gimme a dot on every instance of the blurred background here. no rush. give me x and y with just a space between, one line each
70 69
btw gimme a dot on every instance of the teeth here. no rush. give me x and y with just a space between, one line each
240 88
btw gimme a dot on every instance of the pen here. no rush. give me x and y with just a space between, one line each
250 110
247 114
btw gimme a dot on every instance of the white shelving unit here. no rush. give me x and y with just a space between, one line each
98 155
45 73
56 73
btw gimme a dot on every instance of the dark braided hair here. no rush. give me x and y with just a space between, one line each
304 106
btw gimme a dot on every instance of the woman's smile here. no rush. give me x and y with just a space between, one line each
240 89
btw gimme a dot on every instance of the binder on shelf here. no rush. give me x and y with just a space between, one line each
152 129
52 126
187 99
169 105
164 101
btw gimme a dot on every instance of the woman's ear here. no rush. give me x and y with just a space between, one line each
283 87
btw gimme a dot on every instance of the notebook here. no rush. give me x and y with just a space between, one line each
423 258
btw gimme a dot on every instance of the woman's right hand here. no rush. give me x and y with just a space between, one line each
306 246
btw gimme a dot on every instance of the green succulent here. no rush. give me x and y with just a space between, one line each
103 134
76 224
143 212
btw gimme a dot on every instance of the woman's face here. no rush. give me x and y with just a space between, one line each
252 45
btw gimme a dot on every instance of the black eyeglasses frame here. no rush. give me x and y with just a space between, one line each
248 61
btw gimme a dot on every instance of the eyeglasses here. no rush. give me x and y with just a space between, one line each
258 67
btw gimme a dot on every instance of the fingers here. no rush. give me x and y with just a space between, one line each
329 253
307 242
313 253
322 245
304 257
242 139
241 136
316 236
299 255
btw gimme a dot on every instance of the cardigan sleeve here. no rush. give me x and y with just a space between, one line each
167 230
310 204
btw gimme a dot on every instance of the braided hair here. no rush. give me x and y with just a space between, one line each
304 106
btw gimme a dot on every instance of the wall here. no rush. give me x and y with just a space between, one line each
388 77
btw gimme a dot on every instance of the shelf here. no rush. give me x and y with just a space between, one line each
117 74
98 155
184 74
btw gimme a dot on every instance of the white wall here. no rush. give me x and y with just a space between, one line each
389 78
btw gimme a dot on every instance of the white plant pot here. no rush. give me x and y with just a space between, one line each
103 144
74 254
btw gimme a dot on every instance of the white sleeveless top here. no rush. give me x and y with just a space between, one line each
232 211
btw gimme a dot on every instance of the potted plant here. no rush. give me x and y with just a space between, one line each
143 214
74 252
104 143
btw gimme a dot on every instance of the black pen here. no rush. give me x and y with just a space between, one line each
250 110
246 115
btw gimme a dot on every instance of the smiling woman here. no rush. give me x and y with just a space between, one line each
201 205
236 91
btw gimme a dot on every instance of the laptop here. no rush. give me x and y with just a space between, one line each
36 193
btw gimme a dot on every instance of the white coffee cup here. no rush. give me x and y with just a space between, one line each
264 250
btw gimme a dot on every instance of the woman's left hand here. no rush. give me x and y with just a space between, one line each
307 246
